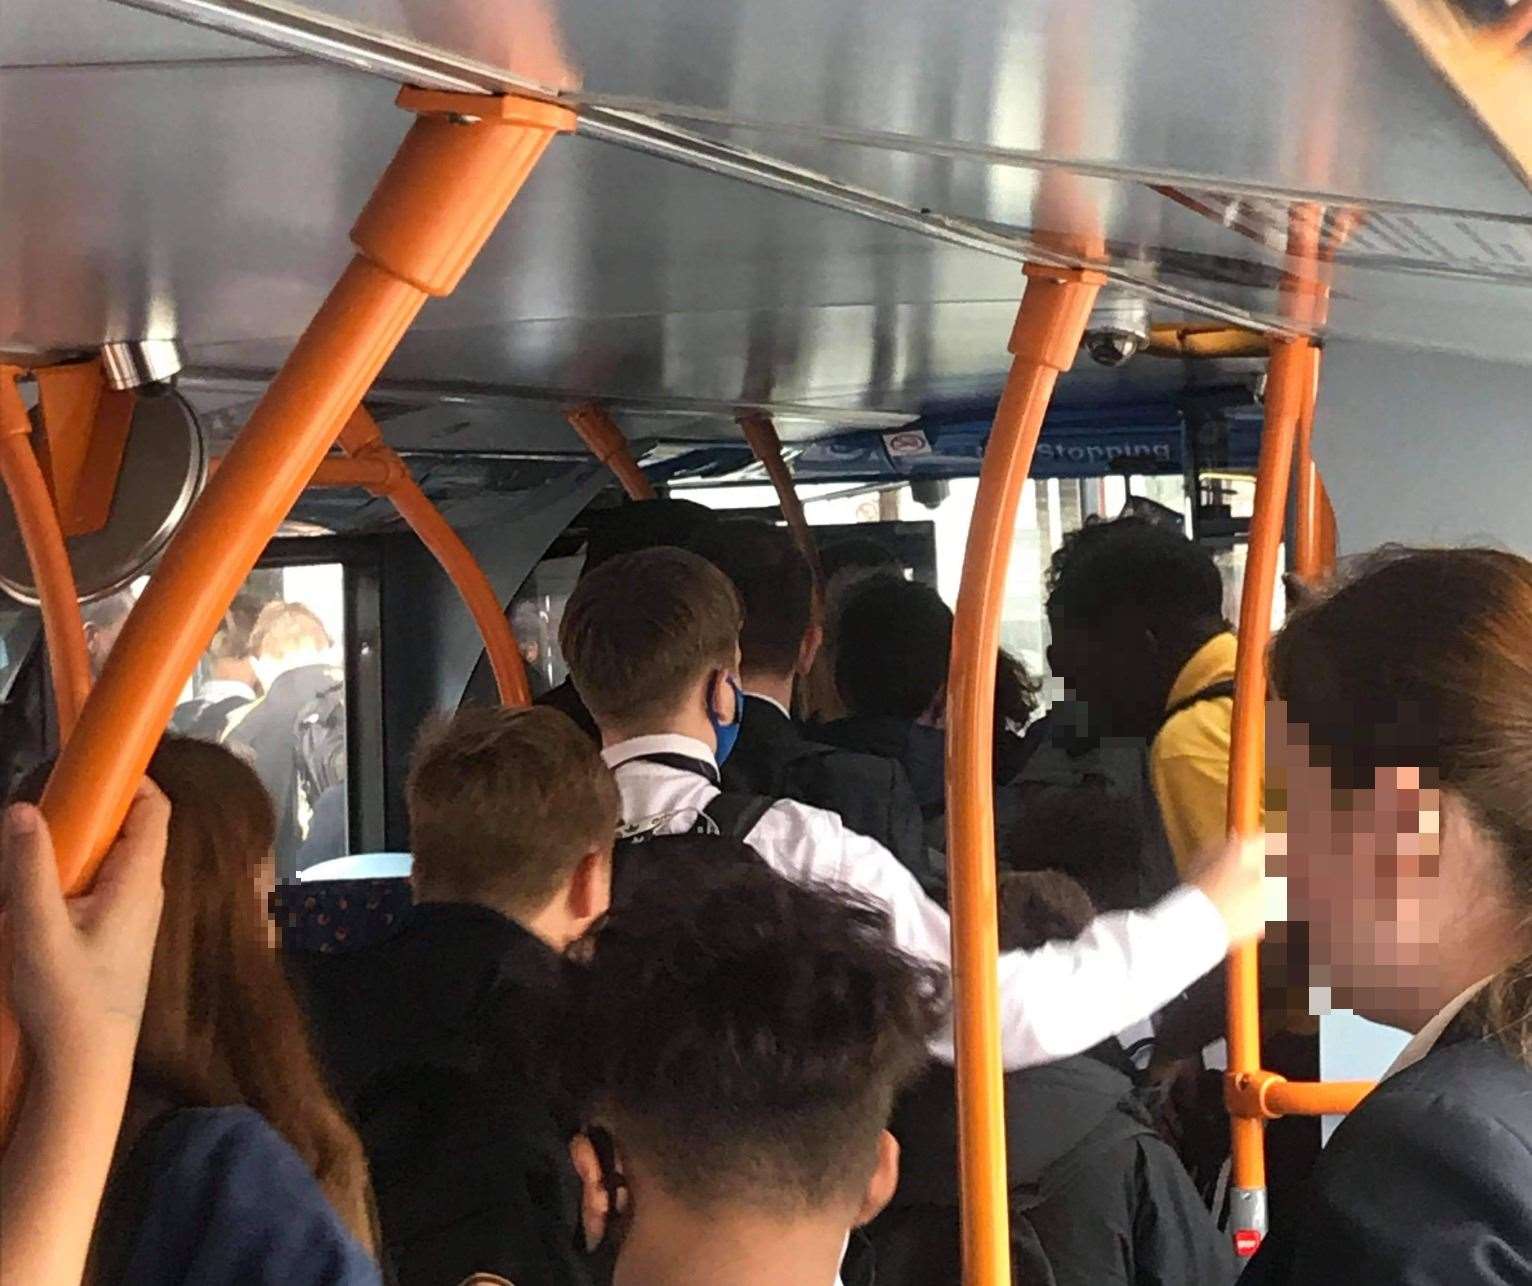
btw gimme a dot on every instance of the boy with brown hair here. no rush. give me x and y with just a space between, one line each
652 642
439 1039
740 1039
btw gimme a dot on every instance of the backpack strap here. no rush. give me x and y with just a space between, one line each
736 814
1213 692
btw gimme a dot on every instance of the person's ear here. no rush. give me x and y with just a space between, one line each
808 649
590 888
884 1180
723 697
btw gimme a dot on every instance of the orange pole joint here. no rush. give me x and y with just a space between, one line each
1265 1096
363 442
604 439
1044 342
456 172
766 446
42 535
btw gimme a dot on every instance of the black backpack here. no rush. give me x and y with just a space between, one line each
644 853
320 744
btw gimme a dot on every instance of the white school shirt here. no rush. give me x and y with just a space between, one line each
1055 1002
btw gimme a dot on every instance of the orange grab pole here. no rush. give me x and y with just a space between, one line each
1289 378
456 172
1308 533
336 471
599 431
761 434
38 522
362 439
1047 336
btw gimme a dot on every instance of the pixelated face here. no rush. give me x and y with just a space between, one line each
1363 871
1108 668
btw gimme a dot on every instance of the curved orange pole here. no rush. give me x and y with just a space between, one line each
457 170
362 439
1289 378
38 522
1047 336
600 433
761 434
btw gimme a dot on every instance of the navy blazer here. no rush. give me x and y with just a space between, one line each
1427 1183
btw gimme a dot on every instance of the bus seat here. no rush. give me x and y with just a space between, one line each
331 916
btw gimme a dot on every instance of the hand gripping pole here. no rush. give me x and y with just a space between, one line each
456 172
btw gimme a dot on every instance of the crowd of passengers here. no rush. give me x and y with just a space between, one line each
672 1003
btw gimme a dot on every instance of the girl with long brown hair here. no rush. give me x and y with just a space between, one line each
235 1163
1400 781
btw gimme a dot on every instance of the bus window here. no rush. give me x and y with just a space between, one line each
272 687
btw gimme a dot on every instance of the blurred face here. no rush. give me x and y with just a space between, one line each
1109 668
1365 871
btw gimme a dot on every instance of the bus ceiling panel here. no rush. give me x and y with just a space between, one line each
818 367
1311 96
430 421
63 33
1486 319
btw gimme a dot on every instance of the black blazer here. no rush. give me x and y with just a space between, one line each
775 758
440 1043
1427 1183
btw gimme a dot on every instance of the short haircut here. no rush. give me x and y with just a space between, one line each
283 628
775 584
1082 831
744 1037
1038 907
503 805
643 524
232 642
109 611
1105 566
641 629
892 649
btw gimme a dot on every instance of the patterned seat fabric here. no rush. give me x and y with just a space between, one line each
339 915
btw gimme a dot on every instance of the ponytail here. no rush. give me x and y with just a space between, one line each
1508 1009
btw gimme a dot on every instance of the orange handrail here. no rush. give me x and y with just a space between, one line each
766 446
363 441
1049 325
456 172
601 434
38 522
1265 1096
1287 382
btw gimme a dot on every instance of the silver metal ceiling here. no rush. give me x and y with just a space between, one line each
157 178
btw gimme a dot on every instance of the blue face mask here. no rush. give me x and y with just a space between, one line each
727 734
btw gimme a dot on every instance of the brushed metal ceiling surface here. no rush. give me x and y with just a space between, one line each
158 179
1307 95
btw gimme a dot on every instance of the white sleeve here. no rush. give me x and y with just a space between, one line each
1054 1002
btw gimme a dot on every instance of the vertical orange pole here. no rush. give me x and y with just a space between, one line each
1308 518
1290 377
1046 338
38 522
457 170
362 440
761 434
600 433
